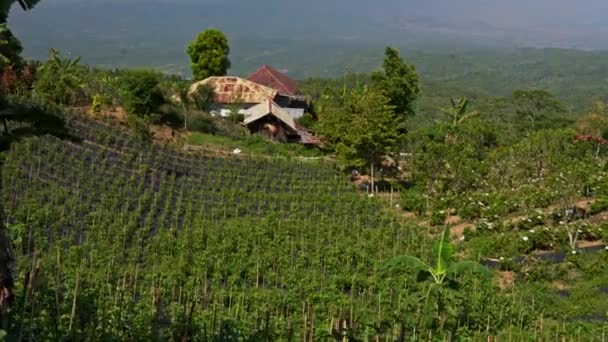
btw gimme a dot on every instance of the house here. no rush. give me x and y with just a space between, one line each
275 123
234 93
274 79
286 88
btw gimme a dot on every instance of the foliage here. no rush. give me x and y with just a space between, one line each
398 81
141 95
456 115
534 105
10 48
59 80
361 128
209 54
201 122
202 97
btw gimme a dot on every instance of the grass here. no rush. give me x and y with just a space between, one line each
253 145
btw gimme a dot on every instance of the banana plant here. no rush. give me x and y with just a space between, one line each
444 273
443 267
457 114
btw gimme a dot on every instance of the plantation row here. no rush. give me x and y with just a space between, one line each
119 241
223 241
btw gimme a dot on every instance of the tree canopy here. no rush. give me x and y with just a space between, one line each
398 81
209 54
361 128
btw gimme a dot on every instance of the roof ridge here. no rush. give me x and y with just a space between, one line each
283 81
272 70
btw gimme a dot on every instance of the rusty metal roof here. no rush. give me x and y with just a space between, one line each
274 79
231 89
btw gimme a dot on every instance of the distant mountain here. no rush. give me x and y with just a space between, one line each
155 32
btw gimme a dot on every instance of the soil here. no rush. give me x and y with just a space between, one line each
588 244
457 231
559 285
506 280
453 220
164 134
599 218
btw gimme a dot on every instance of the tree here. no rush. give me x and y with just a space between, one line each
456 114
10 47
5 6
209 54
141 93
534 105
398 81
361 127
59 80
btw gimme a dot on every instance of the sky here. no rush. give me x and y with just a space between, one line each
108 30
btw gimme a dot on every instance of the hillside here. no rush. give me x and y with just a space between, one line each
456 193
127 241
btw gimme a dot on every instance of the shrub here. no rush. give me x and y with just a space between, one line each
98 102
201 122
140 127
600 205
471 210
307 120
141 94
438 218
412 200
202 97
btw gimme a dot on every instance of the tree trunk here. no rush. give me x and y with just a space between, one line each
6 258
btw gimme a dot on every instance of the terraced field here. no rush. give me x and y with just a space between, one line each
117 240
108 231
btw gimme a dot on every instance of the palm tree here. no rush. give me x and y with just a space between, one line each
444 273
457 114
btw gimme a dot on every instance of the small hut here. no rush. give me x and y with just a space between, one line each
272 121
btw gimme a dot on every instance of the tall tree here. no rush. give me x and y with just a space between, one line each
209 54
398 81
536 105
361 127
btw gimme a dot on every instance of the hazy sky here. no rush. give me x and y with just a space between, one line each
111 28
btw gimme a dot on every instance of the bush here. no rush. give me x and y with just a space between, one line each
412 200
202 97
438 218
307 120
203 123
236 117
470 211
600 205
140 127
141 94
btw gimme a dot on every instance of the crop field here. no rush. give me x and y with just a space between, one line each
115 240
107 232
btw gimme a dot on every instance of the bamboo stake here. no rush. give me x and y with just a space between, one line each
75 296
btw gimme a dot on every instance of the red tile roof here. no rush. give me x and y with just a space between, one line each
274 79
